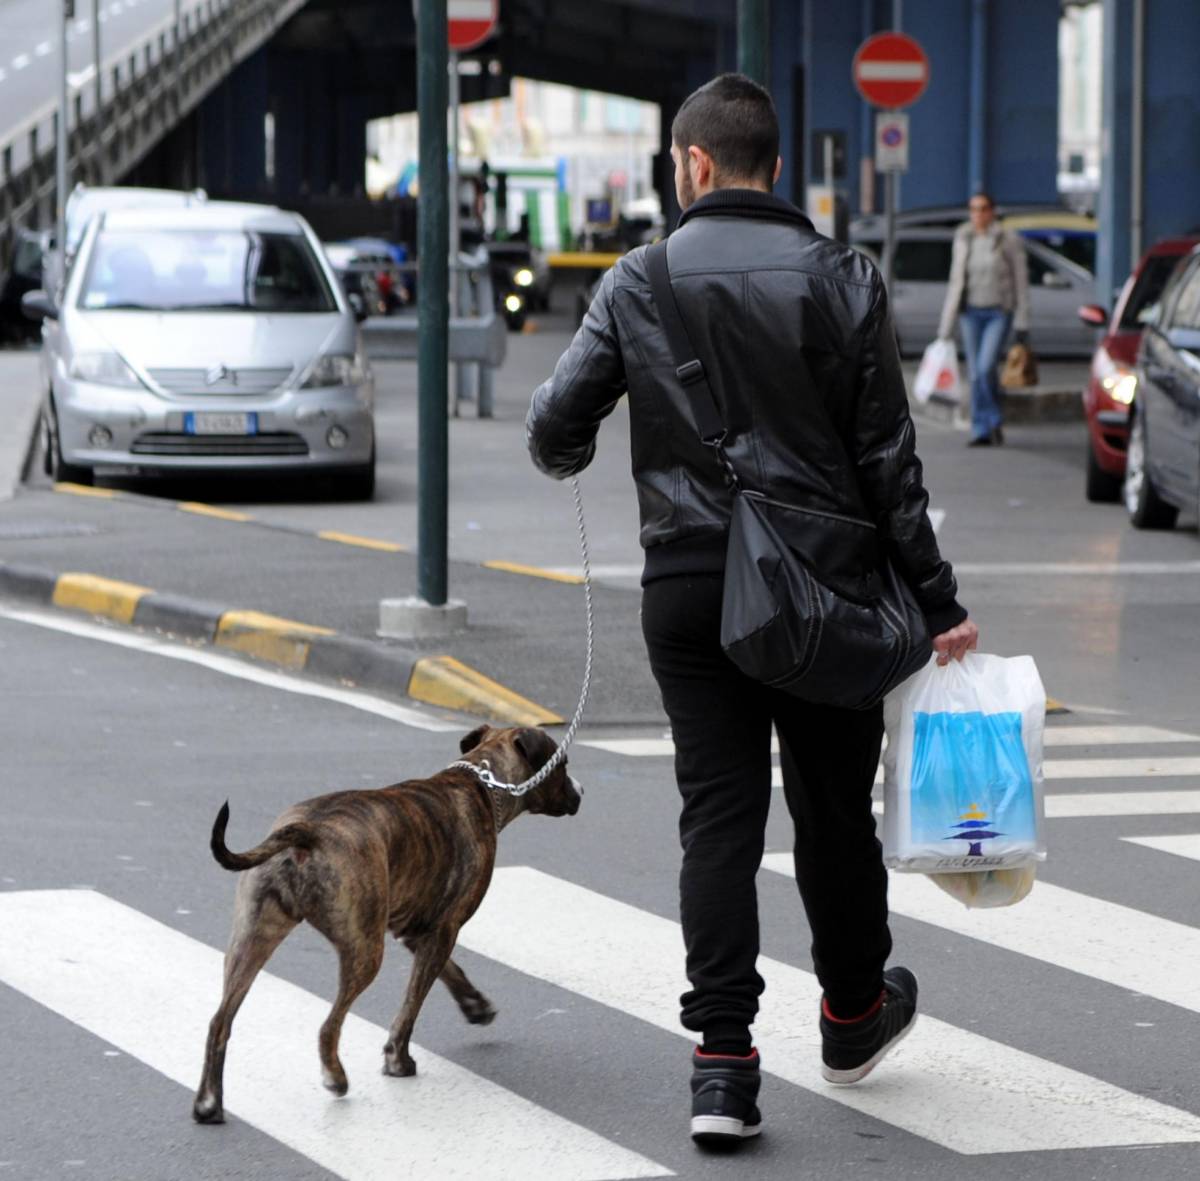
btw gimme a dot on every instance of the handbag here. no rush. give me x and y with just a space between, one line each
811 604
1020 368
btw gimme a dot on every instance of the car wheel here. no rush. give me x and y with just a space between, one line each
1147 510
359 483
1102 487
55 466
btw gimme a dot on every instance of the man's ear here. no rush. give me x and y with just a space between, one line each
702 163
472 740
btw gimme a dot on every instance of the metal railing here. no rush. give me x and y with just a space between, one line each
142 91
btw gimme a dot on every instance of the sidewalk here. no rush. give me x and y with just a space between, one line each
1058 396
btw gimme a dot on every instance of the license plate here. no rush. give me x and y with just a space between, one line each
217 423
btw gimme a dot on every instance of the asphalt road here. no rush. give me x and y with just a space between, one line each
1056 1038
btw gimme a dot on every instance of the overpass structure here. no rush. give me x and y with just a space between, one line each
270 98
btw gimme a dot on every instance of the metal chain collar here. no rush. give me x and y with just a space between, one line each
482 769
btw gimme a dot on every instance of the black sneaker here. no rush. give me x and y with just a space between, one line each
724 1090
850 1050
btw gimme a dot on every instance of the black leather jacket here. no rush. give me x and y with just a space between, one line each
762 293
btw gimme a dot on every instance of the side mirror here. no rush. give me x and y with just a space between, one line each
37 305
1094 314
358 306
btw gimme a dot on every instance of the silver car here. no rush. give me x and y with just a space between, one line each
1057 287
214 338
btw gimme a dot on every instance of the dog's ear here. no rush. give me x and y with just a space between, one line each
534 746
472 740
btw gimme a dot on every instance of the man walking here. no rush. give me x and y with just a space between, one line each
765 299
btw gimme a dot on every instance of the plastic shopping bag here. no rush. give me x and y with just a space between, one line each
938 373
963 776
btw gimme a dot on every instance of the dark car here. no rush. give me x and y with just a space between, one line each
1112 384
1162 465
29 246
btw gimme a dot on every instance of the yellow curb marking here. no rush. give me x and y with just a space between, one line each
444 681
210 510
1054 706
98 596
535 572
390 547
85 490
279 641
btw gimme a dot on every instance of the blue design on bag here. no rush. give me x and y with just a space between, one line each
970 776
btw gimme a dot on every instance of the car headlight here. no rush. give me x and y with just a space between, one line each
334 369
523 278
1118 381
1121 386
104 369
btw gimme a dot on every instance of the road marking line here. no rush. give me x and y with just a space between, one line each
21 61
1122 803
280 641
1181 844
390 547
98 596
229 666
1126 948
534 571
1056 736
42 49
1076 569
937 1085
150 990
210 510
446 682
629 570
85 490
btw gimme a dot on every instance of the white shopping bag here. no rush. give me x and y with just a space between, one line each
938 373
962 788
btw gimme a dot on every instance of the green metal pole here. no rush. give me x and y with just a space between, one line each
433 246
754 31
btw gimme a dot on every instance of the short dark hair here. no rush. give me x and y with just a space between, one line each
982 195
733 119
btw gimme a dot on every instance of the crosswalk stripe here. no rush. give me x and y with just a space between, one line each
1124 947
1077 805
961 1090
1181 844
1067 769
1055 736
150 990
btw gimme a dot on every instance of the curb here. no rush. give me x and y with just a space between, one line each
1020 406
438 680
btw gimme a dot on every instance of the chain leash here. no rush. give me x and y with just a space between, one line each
483 769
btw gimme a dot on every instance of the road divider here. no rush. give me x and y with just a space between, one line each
435 679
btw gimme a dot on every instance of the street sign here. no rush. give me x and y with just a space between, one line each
470 23
891 70
891 141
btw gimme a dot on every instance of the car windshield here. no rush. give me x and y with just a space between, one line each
203 270
1142 303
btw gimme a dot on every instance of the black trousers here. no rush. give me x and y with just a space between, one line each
721 722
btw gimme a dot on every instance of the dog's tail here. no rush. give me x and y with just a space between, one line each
291 836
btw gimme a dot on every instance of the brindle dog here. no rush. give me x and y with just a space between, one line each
414 859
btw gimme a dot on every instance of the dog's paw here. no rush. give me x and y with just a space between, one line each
479 1011
335 1082
208 1110
398 1065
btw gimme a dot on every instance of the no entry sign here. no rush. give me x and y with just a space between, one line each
470 22
891 70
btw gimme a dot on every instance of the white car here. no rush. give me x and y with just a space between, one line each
213 338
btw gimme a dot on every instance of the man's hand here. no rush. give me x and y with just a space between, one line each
957 642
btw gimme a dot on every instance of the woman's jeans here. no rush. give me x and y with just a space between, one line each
984 331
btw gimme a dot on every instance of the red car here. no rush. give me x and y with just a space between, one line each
1110 391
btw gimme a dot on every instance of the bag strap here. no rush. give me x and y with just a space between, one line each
688 366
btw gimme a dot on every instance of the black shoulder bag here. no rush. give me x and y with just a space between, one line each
812 605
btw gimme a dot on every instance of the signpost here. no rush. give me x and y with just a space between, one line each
891 71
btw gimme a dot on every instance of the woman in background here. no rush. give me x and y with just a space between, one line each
989 294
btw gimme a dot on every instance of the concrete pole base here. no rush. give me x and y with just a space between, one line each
415 619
